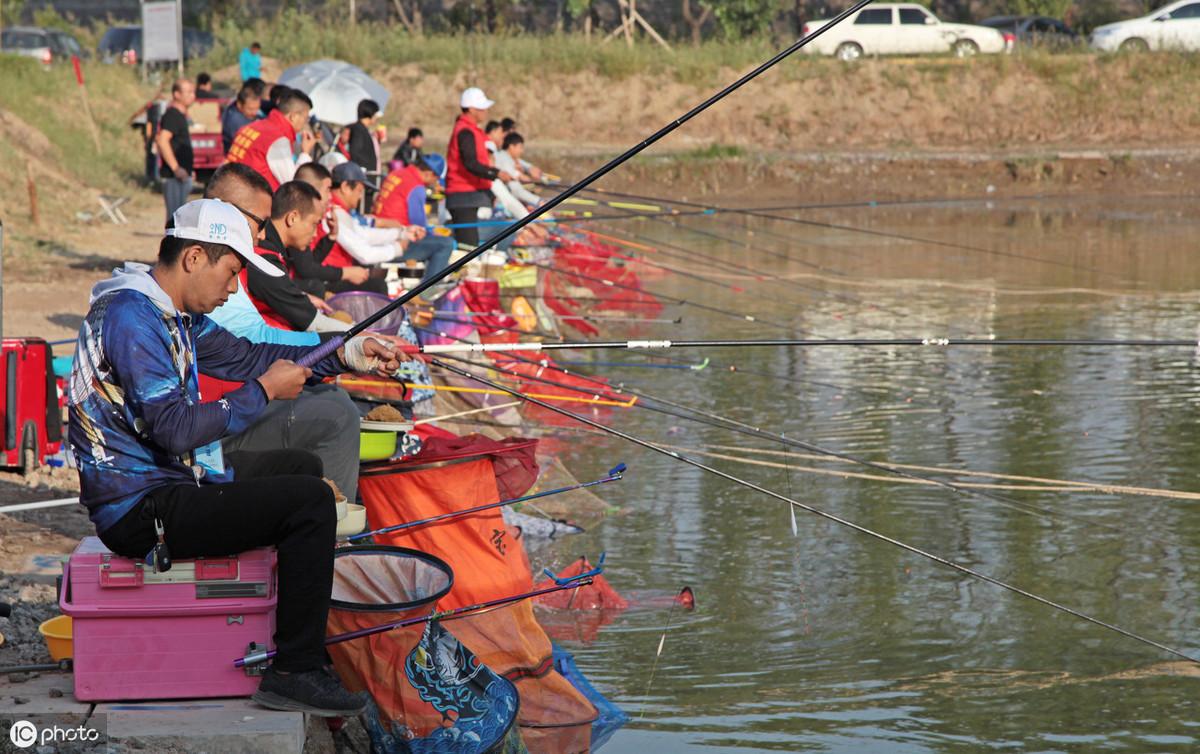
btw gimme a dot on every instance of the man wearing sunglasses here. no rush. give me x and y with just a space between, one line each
322 419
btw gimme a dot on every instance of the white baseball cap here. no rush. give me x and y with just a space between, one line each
474 97
215 221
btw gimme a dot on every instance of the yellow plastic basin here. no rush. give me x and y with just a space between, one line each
375 446
57 633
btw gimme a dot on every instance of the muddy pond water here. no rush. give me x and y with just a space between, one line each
830 641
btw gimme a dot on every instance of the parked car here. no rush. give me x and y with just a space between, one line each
903 29
47 45
123 44
1041 31
1171 27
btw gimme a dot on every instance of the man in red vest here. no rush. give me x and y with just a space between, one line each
296 210
469 170
402 198
267 145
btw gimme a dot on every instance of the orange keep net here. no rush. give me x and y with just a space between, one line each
424 683
489 561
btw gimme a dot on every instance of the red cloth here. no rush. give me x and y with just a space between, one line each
392 201
514 459
338 257
254 139
459 180
484 296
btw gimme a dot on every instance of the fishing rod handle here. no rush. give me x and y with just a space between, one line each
321 352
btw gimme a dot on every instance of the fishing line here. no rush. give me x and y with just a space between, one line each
741 428
943 561
653 345
331 346
808 342
691 254
881 234
657 265
730 368
680 301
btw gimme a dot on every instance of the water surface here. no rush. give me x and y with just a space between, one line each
831 641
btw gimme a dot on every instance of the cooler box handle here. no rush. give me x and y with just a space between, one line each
223 569
120 576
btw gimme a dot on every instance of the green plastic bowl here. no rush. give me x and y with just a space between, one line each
376 446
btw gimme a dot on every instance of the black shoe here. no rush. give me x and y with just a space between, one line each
316 692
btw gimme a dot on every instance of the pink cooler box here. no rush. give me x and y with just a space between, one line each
145 635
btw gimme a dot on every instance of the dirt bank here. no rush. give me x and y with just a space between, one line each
812 131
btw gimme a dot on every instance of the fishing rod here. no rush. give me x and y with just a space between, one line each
680 252
659 266
596 299
877 233
721 367
661 211
560 585
796 504
615 474
680 301
440 313
711 419
696 367
636 345
330 346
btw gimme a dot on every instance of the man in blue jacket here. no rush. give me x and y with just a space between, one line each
149 453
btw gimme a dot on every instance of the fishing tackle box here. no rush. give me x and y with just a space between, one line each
171 635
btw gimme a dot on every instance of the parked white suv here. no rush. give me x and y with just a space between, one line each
1172 27
903 29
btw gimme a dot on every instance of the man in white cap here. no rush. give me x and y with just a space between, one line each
469 169
151 468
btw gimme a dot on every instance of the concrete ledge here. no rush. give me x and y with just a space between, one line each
228 726
47 694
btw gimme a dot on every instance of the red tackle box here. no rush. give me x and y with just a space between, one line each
172 635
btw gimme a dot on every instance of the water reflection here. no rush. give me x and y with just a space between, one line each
831 641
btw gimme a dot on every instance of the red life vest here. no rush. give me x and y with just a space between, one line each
392 201
269 315
459 180
254 139
339 257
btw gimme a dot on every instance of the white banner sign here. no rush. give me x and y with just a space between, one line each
162 33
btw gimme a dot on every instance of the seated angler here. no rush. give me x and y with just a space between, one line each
358 243
296 211
311 273
322 419
402 198
148 449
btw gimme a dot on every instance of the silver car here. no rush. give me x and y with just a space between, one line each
47 45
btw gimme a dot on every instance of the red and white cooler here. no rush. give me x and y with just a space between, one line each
172 635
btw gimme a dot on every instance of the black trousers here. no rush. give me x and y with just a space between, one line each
465 215
277 499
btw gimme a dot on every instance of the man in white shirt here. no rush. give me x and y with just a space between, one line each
359 244
508 159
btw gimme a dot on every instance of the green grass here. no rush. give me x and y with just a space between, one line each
49 101
297 37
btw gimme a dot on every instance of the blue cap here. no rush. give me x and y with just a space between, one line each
438 163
